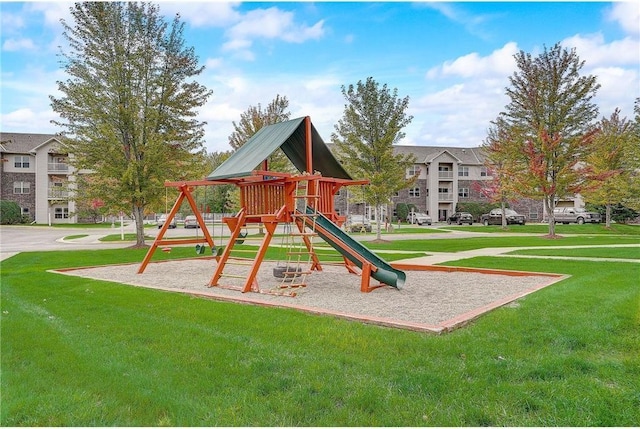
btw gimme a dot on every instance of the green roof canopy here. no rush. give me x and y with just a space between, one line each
290 137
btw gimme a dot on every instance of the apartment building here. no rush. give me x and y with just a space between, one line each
446 176
35 174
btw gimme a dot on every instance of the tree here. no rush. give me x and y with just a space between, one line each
632 162
129 105
255 118
222 197
372 123
549 117
498 149
609 180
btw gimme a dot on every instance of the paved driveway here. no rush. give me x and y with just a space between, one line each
15 239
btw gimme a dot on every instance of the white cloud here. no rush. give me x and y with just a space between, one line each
23 120
596 52
499 63
459 115
213 63
14 45
203 14
627 14
617 90
11 22
271 23
53 12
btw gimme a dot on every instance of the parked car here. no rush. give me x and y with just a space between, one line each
163 218
460 218
191 222
357 223
494 217
575 215
419 218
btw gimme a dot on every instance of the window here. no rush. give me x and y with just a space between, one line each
463 192
483 172
463 171
414 192
21 187
25 211
61 213
414 170
21 161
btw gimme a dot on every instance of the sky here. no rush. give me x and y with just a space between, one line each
452 59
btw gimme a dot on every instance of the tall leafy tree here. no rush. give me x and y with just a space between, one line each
609 180
550 114
257 117
129 105
222 198
632 162
372 123
499 160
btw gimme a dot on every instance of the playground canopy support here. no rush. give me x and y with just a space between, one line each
185 193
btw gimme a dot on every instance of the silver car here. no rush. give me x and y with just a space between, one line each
162 219
419 218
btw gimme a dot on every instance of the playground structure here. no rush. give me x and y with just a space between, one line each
302 203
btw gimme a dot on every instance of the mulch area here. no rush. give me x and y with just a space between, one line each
433 299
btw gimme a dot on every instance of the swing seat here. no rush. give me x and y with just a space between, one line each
289 272
241 237
217 251
200 249
166 249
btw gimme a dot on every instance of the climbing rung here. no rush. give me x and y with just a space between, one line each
296 273
235 262
293 285
233 276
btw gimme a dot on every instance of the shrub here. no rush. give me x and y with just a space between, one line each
476 209
10 213
403 209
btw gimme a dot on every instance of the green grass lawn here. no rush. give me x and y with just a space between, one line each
541 228
587 252
80 352
471 243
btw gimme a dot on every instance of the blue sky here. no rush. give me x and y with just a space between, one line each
452 59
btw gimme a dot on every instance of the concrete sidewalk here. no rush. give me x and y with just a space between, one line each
438 258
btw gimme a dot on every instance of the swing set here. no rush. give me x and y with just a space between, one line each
302 204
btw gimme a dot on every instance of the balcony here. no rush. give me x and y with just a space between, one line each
447 175
445 196
57 167
58 194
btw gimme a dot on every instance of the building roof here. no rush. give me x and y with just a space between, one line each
426 154
23 142
290 136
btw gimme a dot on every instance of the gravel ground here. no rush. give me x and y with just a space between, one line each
430 300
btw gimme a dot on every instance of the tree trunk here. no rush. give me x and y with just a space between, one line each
376 212
607 216
504 215
549 207
138 218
